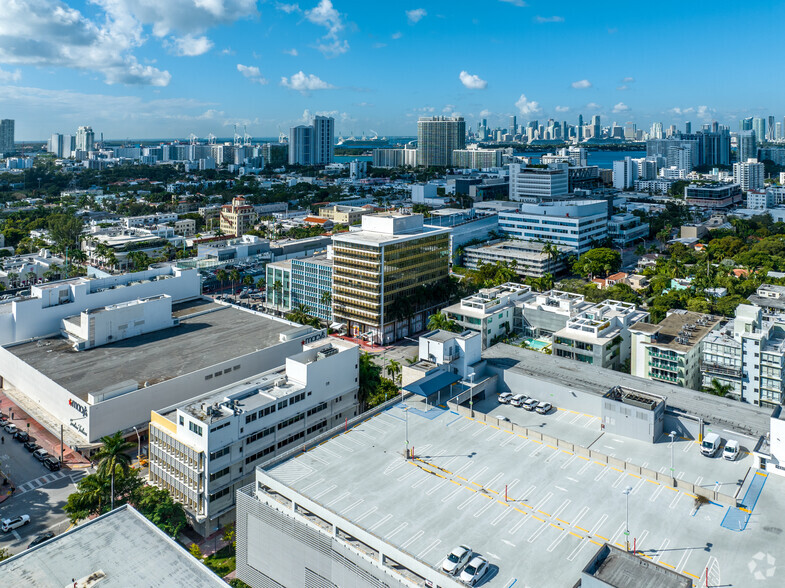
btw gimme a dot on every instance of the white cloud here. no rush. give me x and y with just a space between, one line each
545 19
562 109
190 46
705 112
292 52
379 45
628 80
10 76
396 35
593 106
681 111
448 108
287 8
416 15
471 81
519 3
581 84
621 88
620 107
252 73
485 113
325 15
526 106
305 83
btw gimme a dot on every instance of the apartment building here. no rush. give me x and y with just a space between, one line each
599 335
238 217
378 270
625 229
477 158
536 184
202 451
747 354
671 350
547 312
769 297
490 312
713 195
526 258
344 215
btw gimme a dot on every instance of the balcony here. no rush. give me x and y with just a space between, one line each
664 378
667 366
666 355
450 357
723 370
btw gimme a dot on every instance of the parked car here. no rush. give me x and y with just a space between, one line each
10 428
474 570
14 523
731 450
3 421
710 444
40 454
22 436
544 407
51 464
531 404
505 397
31 446
40 539
518 399
453 564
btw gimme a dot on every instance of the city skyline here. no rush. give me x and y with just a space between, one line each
138 70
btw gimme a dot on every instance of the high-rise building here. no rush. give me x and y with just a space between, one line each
238 217
596 129
513 125
770 134
301 145
759 126
85 137
778 131
688 128
323 140
580 128
745 124
748 145
7 145
749 174
381 272
437 138
624 173
680 157
656 131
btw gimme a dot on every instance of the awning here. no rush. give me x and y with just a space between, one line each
433 383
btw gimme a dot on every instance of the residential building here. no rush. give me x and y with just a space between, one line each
323 140
477 158
203 450
657 186
747 354
579 224
749 174
7 145
61 145
599 335
390 158
377 270
490 312
437 138
548 312
624 173
670 351
344 215
713 195
526 258
238 217
85 139
626 228
773 154
747 145
150 220
301 144
770 298
537 184
185 227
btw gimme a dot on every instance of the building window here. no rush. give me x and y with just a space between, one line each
182 421
195 428
219 474
221 452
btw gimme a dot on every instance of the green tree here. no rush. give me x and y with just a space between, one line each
300 314
260 284
370 378
113 458
65 230
195 551
234 275
718 388
160 508
247 281
393 370
278 292
600 261
441 321
4 553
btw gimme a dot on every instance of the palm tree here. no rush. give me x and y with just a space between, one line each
394 370
31 277
440 321
112 458
369 378
247 281
234 275
260 284
221 276
718 388
12 277
278 290
301 314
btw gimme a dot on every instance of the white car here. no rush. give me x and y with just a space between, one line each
518 399
14 523
474 570
11 428
531 404
458 557
40 454
544 407
504 398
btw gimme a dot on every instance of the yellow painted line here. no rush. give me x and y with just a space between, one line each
690 495
669 565
653 482
494 491
472 489
556 527
671 488
595 542
551 446
527 506
538 518
502 503
439 475
562 520
575 535
583 457
690 574
462 478
620 545
543 512
601 537
615 469
520 511
454 482
535 440
741 508
602 464
760 474
582 529
521 436
567 452
634 475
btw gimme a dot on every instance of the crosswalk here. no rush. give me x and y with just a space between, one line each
74 476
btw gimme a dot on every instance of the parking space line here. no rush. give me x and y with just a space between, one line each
687 447
683 561
428 549
602 473
453 493
581 514
351 506
618 532
539 531
488 505
367 513
466 502
556 541
658 555
514 529
597 526
522 445
397 530
323 492
619 479
378 524
675 500
656 494
638 485
569 461
501 515
340 497
412 539
542 502
577 550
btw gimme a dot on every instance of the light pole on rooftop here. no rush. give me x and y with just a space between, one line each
672 435
627 491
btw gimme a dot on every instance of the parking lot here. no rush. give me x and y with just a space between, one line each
517 501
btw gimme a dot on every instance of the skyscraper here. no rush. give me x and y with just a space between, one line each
770 134
301 145
688 128
513 125
7 136
595 127
745 124
323 140
85 137
759 126
437 138
748 146
580 128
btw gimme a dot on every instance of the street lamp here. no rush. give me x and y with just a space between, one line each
627 491
672 435
138 447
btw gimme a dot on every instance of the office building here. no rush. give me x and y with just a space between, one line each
85 139
749 174
437 138
596 129
301 145
238 217
7 145
529 259
477 158
579 224
513 125
759 126
205 449
773 154
536 184
714 195
747 146
306 281
680 157
389 276
747 354
745 124
323 140
671 350
626 228
344 215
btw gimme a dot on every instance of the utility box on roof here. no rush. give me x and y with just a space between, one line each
634 414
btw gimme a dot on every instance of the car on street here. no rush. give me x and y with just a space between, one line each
22 436
40 454
453 564
40 539
518 399
32 446
544 407
10 428
531 404
474 570
505 397
51 464
3 421
14 523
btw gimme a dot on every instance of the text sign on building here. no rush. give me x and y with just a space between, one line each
78 407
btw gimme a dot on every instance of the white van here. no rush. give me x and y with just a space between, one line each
710 444
731 450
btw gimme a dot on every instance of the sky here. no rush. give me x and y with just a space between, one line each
169 68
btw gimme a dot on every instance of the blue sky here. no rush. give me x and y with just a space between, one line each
166 68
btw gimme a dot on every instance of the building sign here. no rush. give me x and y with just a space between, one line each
78 407
315 337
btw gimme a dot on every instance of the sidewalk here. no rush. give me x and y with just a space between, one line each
362 343
42 436
208 545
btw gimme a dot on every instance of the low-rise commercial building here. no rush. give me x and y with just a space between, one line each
202 451
538 184
344 215
625 229
525 258
306 281
713 195
670 351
